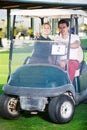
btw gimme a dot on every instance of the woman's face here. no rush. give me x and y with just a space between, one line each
46 29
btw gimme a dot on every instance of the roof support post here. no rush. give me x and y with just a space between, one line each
8 24
53 26
32 24
76 24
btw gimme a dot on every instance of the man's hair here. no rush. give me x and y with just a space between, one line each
63 21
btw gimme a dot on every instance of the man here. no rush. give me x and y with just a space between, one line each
74 48
15 32
30 33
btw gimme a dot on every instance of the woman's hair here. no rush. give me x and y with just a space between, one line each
46 24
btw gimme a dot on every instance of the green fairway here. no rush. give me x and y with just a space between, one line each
40 121
84 42
3 67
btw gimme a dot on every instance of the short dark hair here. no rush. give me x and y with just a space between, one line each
63 21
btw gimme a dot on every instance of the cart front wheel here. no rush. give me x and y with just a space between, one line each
9 107
61 109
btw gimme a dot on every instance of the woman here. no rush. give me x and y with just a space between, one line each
41 53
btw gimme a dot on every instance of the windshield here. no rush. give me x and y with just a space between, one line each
37 52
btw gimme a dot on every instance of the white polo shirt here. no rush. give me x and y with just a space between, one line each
73 52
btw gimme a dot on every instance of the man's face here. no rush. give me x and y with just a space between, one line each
63 29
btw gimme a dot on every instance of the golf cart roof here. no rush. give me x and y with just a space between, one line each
49 13
42 4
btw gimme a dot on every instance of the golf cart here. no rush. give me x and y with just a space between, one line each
35 85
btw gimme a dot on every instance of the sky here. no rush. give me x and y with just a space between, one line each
3 14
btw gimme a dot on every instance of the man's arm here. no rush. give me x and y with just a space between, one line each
75 44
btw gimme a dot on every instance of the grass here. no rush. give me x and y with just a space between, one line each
3 67
84 42
40 121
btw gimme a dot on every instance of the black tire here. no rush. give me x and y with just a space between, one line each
51 109
9 107
61 109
